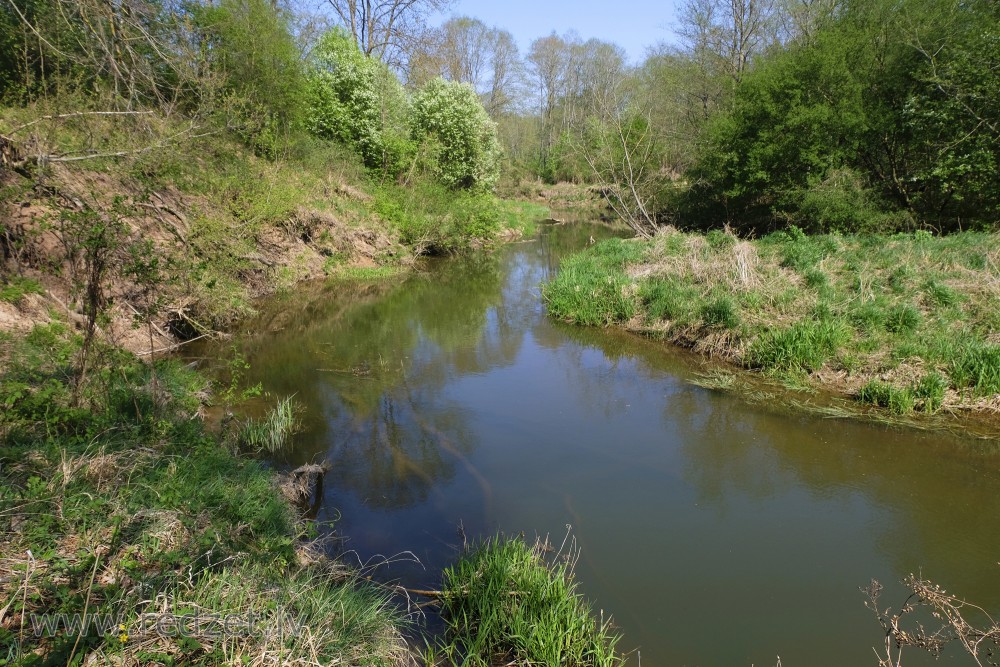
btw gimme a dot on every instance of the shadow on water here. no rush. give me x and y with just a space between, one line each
717 532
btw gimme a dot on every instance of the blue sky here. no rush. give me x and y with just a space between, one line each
634 25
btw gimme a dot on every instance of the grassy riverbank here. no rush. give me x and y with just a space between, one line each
116 504
120 510
906 323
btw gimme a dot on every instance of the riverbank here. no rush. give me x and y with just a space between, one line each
119 507
905 323
120 510
186 236
131 534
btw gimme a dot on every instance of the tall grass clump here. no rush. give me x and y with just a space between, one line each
977 367
804 346
898 400
721 312
273 432
505 603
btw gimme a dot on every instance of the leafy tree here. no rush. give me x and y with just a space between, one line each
449 116
355 99
792 120
249 43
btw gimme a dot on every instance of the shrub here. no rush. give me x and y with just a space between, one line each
357 100
449 118
842 202
250 44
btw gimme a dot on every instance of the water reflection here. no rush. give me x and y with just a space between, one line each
451 397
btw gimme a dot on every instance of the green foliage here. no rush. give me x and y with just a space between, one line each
434 219
841 201
357 100
503 603
251 46
450 123
879 119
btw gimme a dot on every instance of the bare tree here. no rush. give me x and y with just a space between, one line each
725 35
799 20
507 73
467 50
624 155
385 29
549 60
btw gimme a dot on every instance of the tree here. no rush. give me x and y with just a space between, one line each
449 116
549 60
355 99
727 35
249 44
625 156
467 50
385 29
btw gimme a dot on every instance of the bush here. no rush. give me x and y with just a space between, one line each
250 44
434 219
842 202
450 122
355 99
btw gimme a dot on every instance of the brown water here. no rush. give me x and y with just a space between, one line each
716 532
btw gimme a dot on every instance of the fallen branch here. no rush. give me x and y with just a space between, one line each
75 114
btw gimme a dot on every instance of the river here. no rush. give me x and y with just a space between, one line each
716 531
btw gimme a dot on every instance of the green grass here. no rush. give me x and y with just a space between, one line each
114 499
593 288
841 311
365 273
505 603
274 432
522 216
804 346
15 288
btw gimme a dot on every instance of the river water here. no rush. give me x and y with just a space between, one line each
716 532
